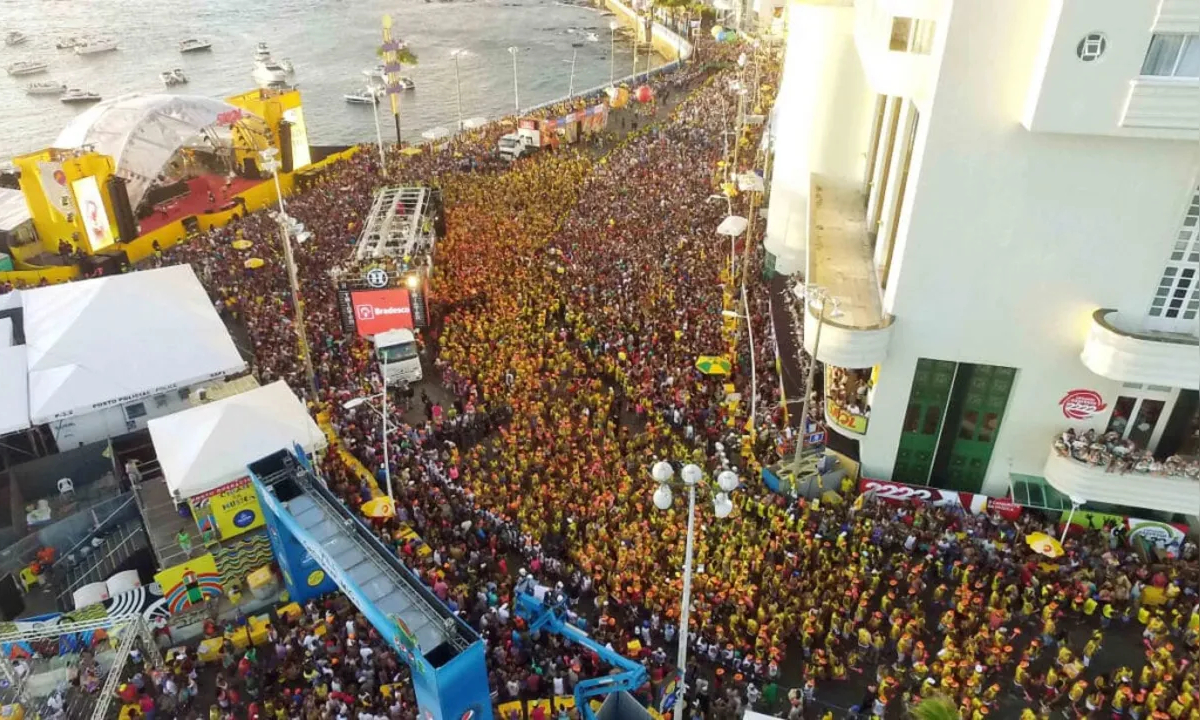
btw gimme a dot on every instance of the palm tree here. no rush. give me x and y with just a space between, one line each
936 707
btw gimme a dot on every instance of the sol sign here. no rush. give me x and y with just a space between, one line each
1081 404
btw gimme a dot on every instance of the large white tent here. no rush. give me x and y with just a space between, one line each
210 445
14 396
105 342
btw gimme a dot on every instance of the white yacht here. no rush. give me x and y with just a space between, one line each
267 71
16 37
366 96
26 67
96 46
379 72
194 45
75 95
66 43
49 87
593 37
286 65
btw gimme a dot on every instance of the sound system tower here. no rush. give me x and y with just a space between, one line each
249 168
285 146
127 226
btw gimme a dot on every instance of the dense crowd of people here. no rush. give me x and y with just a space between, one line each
572 296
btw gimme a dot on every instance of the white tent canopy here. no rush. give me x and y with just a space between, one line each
142 132
14 394
210 445
113 340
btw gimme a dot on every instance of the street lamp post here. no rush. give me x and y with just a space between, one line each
612 52
457 87
571 82
272 165
811 294
690 476
383 416
513 50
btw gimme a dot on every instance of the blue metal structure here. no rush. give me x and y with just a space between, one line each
321 545
551 615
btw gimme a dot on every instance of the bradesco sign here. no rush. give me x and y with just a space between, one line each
377 311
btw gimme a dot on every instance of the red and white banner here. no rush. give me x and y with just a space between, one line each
973 502
377 311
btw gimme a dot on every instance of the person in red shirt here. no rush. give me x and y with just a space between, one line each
147 706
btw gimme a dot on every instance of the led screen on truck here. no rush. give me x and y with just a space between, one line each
377 311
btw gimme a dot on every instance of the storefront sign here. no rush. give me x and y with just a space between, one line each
975 503
1081 404
236 511
845 419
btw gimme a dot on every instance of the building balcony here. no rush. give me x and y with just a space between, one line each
895 48
1167 104
1170 487
1116 348
852 328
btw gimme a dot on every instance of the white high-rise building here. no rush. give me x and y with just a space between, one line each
999 202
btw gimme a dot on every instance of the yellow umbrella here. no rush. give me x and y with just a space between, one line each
242 244
254 263
1044 544
713 365
380 507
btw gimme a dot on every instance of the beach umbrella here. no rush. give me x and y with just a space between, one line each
254 263
1044 544
380 507
242 244
713 365
436 133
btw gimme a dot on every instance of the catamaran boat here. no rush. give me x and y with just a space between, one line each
16 37
77 96
194 45
366 96
26 67
66 43
96 46
49 87
171 78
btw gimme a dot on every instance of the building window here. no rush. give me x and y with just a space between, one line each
1176 302
1173 55
1091 47
911 35
135 411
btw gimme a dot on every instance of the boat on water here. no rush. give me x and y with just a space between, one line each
194 45
95 46
16 37
379 72
367 96
171 78
26 67
77 96
49 87
286 65
66 43
267 70
593 37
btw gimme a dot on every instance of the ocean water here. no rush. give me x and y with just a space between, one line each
329 42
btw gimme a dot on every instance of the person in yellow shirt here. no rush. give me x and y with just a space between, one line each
1091 648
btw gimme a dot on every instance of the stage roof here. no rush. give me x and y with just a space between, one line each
115 340
13 210
142 132
208 446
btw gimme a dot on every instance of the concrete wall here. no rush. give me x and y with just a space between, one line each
666 42
1009 239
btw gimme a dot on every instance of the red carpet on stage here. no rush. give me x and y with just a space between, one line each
196 201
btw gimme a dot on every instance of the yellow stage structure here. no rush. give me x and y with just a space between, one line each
67 190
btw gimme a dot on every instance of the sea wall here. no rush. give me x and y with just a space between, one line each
664 40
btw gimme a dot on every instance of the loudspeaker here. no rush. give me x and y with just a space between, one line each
285 146
118 195
249 168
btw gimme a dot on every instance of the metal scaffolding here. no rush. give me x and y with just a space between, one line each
400 225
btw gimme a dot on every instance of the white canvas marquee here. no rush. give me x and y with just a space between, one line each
210 445
110 341
14 396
